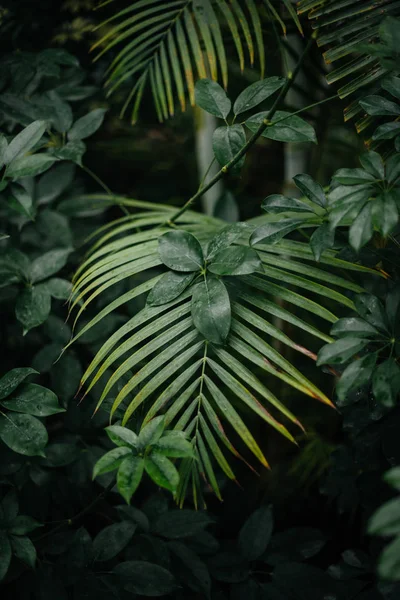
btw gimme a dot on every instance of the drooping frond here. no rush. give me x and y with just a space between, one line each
345 28
168 44
158 363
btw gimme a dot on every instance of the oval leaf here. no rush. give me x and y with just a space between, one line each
239 260
161 470
87 125
180 251
211 310
210 96
227 141
24 434
129 476
256 93
170 286
36 400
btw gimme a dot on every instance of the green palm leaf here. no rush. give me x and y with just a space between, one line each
168 43
344 27
166 367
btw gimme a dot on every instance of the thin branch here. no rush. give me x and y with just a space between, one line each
251 141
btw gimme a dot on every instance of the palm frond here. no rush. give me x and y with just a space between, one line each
157 362
345 27
169 43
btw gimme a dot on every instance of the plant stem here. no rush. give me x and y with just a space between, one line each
251 141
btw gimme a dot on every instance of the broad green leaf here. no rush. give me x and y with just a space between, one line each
33 307
322 239
393 168
180 251
129 476
386 520
145 578
211 310
21 200
256 93
24 434
24 141
354 377
24 550
387 131
392 85
23 524
340 351
170 286
34 399
5 554
179 524
174 446
361 229
112 540
29 166
373 163
311 188
11 380
385 214
227 141
276 203
58 288
122 436
353 327
48 264
379 106
87 125
225 238
386 383
290 128
370 308
162 471
211 97
73 151
353 176
389 562
256 532
151 433
111 460
239 260
270 233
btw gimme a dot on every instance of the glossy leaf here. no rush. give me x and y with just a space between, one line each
24 141
33 307
211 97
225 238
290 128
180 251
353 176
162 471
340 351
361 229
277 203
151 433
29 166
256 93
380 106
23 433
129 476
211 310
239 260
12 379
170 286
34 399
174 446
311 188
48 264
122 436
87 125
270 233
373 163
322 239
111 460
227 141
112 540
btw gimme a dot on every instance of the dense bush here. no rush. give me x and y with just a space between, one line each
158 361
